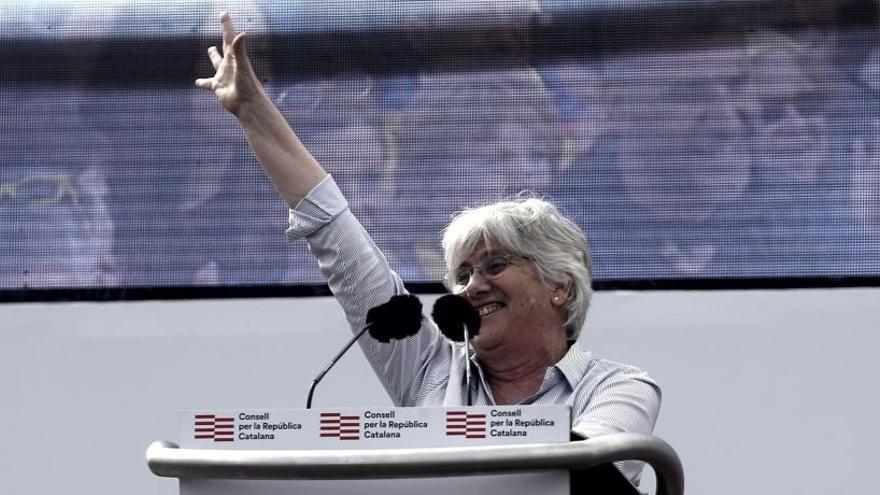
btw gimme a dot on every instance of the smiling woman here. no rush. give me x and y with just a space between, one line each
520 263
531 229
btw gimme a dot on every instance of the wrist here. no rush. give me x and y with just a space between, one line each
251 108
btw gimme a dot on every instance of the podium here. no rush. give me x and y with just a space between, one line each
486 450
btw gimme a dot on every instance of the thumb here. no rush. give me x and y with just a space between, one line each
205 83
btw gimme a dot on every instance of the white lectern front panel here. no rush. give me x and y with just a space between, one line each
378 428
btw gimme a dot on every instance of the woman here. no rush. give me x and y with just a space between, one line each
523 266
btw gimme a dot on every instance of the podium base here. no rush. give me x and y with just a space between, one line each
544 483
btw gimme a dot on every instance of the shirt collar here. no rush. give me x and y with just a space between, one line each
574 365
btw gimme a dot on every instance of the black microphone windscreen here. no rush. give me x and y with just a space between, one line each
398 318
452 313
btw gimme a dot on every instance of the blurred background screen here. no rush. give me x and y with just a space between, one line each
690 140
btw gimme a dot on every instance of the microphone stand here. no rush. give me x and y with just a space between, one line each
330 365
467 363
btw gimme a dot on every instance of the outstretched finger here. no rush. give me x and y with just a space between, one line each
228 30
205 83
215 57
237 46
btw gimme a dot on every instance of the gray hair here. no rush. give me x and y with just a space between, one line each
535 229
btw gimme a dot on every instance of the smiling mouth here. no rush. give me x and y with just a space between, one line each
488 309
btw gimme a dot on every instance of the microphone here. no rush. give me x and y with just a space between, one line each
398 318
459 322
455 317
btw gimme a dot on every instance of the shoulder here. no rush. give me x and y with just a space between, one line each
613 370
612 373
614 398
583 370
603 377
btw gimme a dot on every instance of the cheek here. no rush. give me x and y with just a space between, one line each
531 300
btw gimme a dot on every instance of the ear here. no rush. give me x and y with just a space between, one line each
561 293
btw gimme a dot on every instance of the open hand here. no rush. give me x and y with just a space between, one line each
235 82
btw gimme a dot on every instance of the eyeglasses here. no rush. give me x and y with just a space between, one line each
491 266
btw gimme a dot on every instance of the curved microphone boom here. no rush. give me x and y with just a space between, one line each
459 322
396 319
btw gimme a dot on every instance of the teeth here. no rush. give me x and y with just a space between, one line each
489 309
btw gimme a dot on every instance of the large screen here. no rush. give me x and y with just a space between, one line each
694 142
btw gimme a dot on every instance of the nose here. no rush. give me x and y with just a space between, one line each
477 284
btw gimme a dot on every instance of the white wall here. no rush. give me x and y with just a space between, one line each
764 391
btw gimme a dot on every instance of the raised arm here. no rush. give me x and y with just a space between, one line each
292 169
356 271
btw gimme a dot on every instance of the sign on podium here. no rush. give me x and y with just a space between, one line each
377 428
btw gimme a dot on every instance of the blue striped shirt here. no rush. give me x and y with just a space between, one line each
427 369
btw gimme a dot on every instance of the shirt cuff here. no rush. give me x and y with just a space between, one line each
320 206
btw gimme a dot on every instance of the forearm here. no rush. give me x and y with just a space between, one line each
287 162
